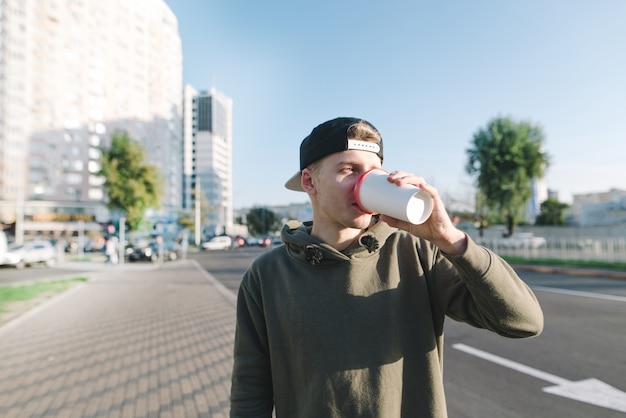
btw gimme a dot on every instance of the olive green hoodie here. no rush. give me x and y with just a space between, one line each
359 333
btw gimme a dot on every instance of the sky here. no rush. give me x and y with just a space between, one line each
427 74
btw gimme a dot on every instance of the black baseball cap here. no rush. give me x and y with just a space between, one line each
331 137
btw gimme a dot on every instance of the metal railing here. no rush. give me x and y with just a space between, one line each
607 250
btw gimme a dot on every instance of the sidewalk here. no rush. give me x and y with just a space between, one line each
151 342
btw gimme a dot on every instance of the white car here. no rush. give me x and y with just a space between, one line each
10 259
30 253
222 242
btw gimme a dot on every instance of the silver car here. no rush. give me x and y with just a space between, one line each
222 242
30 253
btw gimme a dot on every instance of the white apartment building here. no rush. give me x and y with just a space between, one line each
208 156
73 72
600 209
538 195
15 90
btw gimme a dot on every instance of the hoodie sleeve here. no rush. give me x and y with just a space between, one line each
480 288
251 390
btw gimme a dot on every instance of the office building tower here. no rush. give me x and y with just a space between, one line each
538 195
207 155
78 71
15 89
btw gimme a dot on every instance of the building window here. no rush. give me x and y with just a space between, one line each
95 194
205 122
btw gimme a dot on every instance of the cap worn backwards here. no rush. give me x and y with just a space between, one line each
333 136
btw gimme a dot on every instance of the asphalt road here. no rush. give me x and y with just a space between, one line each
487 375
577 362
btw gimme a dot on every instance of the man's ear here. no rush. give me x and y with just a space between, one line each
306 180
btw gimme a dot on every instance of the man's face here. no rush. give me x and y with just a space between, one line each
334 183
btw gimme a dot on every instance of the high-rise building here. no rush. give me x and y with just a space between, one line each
538 195
15 90
207 155
72 74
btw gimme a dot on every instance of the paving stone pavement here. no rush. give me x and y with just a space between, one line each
127 343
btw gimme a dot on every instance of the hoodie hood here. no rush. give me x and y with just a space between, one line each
306 248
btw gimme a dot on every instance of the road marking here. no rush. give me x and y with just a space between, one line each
614 298
592 391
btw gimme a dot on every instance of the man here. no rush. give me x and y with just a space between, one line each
346 319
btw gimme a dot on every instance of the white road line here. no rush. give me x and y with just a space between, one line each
511 364
603 296
592 391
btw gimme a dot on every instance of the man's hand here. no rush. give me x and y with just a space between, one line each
438 229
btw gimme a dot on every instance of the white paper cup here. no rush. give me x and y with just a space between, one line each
374 194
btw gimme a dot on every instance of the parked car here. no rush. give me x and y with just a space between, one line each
259 241
149 251
239 241
30 253
252 241
222 242
4 247
10 259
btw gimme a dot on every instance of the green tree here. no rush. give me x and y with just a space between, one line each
551 212
261 221
186 220
132 185
506 156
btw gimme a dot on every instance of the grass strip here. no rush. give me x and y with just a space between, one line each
21 293
555 262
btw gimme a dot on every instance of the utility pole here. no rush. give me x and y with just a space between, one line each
122 240
198 226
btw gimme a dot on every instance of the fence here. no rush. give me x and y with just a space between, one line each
609 250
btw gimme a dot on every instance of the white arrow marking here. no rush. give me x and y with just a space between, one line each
592 391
